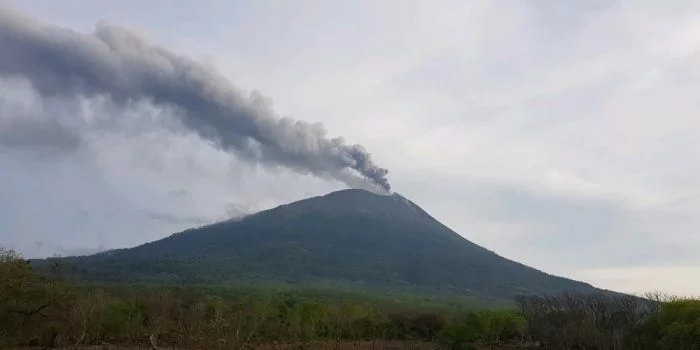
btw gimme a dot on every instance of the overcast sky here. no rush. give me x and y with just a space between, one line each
562 134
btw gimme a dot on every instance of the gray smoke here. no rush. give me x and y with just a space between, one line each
115 63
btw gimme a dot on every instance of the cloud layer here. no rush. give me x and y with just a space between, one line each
562 135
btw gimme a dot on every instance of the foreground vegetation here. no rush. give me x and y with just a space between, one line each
612 321
37 310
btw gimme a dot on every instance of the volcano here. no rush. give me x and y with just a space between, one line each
349 237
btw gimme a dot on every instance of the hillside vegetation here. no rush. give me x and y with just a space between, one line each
38 310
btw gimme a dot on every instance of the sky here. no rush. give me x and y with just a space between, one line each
559 134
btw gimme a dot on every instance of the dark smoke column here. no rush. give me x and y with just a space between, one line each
114 62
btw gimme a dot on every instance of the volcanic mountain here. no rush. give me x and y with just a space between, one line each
350 237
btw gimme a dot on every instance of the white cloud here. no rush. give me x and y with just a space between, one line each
561 135
674 279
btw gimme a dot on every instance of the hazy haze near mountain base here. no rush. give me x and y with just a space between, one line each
562 135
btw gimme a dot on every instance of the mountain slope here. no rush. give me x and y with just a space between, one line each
351 236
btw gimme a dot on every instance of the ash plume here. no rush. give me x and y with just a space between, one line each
115 63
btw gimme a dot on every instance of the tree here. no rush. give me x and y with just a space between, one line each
22 291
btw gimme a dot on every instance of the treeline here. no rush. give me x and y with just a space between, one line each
38 310
612 322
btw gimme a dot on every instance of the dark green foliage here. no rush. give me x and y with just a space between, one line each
481 327
676 326
347 238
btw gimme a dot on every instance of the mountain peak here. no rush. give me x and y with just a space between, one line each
394 207
353 193
362 194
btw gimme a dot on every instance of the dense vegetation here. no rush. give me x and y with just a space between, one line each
604 321
350 237
36 309
41 310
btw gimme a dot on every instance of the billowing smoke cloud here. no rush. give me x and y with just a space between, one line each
115 63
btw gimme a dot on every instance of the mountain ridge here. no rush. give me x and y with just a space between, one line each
350 237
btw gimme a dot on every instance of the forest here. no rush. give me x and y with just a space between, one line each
46 310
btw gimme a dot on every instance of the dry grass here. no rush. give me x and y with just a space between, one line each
358 345
389 345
